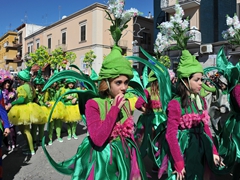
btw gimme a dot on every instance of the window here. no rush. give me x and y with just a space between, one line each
38 43
64 34
30 47
83 31
49 43
20 38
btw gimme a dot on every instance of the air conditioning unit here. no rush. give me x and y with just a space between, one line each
206 48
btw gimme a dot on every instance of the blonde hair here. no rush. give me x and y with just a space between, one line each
103 87
154 88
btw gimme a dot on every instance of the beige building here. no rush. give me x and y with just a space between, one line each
85 30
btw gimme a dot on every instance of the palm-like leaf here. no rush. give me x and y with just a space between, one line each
164 81
164 96
136 86
70 74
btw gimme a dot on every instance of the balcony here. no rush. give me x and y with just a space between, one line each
196 37
49 51
168 5
63 46
10 45
194 41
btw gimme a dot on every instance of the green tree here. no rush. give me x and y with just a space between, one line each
70 56
89 58
39 57
57 58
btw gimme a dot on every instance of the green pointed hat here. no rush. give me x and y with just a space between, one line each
70 81
39 79
188 65
25 74
115 65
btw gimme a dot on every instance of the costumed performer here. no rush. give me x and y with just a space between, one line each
187 144
9 95
149 121
52 94
4 128
40 96
24 112
72 113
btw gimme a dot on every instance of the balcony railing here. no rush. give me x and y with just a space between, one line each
63 46
195 39
168 5
195 36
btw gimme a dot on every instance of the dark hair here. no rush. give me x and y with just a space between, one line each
5 82
66 85
182 92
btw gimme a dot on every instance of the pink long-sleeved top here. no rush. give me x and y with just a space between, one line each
236 94
152 104
173 125
99 129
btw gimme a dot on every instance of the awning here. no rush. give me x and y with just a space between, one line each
36 67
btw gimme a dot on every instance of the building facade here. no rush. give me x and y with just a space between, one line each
207 22
85 30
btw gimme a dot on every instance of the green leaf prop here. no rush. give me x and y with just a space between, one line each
164 96
136 86
145 76
164 80
70 74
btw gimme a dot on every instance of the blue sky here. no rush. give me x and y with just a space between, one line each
46 12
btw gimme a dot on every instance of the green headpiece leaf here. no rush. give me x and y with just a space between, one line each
93 75
135 86
39 79
70 80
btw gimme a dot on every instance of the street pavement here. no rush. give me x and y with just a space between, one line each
17 166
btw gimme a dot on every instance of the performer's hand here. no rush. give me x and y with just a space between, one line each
7 107
218 160
119 100
181 175
69 97
48 104
74 101
6 132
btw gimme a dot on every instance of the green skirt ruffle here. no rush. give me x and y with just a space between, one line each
195 145
230 140
109 162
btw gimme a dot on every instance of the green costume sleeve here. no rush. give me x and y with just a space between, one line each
20 100
41 99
